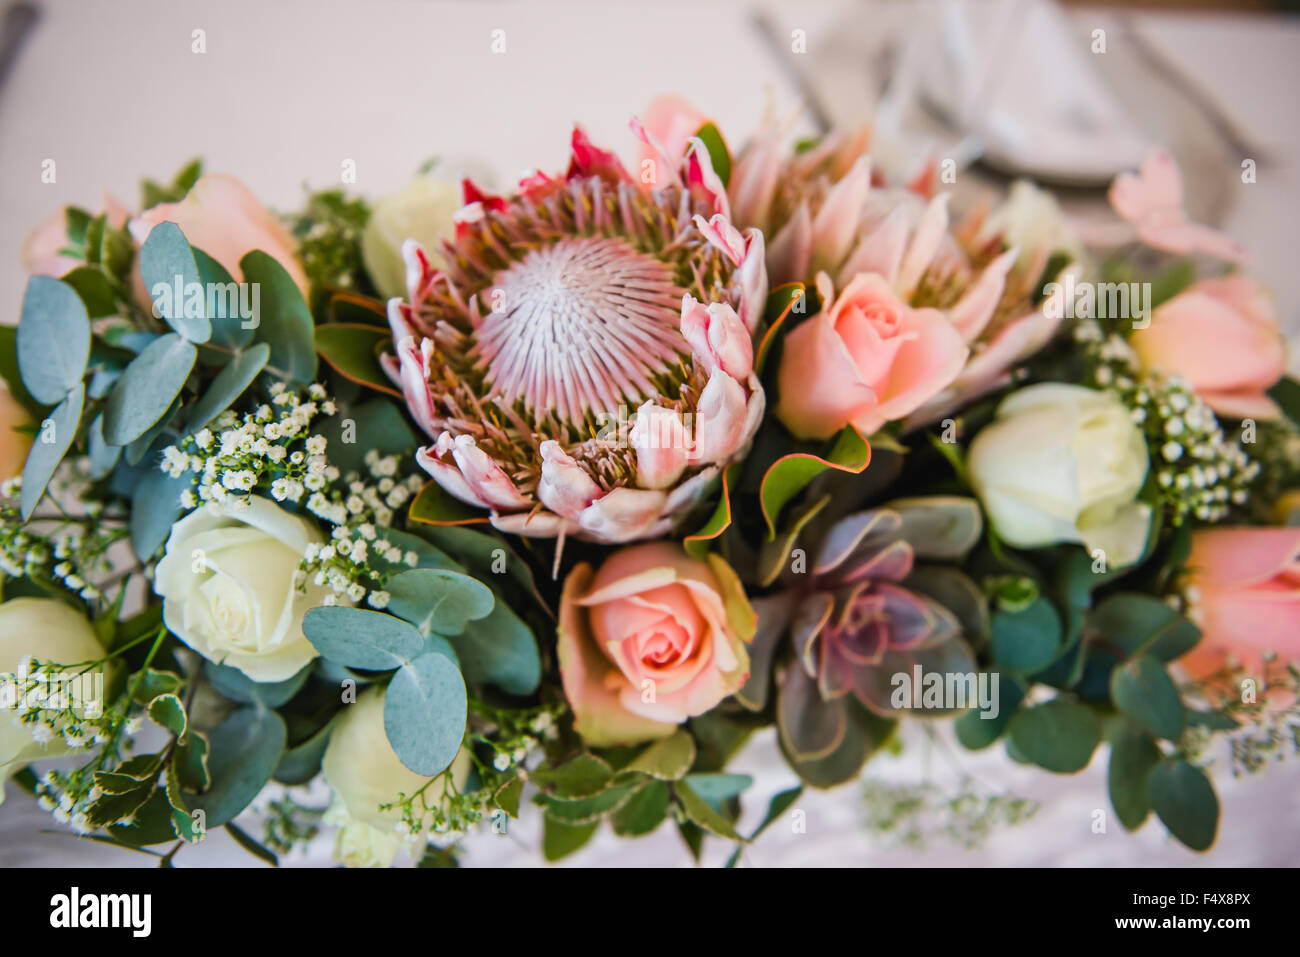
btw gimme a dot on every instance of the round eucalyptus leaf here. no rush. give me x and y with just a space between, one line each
53 339
284 321
1132 756
500 650
1143 690
1183 797
1027 640
356 638
237 686
172 280
425 709
243 753
228 386
439 600
1059 735
146 389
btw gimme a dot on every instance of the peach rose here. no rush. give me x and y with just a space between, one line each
221 216
41 253
14 445
1244 587
1221 335
652 638
867 358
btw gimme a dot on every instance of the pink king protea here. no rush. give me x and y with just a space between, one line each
584 360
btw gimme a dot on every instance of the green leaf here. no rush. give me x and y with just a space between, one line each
1134 623
780 803
667 759
1028 640
383 427
232 331
499 650
1143 690
778 308
285 322
1059 735
1286 393
1183 797
192 761
95 290
53 339
697 543
153 683
170 274
146 389
716 789
643 811
1132 756
44 457
507 796
699 813
301 762
185 825
582 810
790 474
438 600
155 506
244 751
975 731
237 686
243 839
167 712
580 777
1169 282
351 349
103 457
559 840
434 505
425 710
228 386
719 155
363 639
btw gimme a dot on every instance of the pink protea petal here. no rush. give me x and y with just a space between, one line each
448 476
720 420
1016 340
661 444
488 480
717 337
718 230
836 221
791 250
622 515
700 173
754 176
539 524
564 487
590 160
752 278
930 233
880 251
974 309
668 124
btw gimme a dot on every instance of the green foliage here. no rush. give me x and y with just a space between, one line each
1059 735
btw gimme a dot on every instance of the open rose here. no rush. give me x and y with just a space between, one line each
652 638
1221 335
866 359
1244 588
14 443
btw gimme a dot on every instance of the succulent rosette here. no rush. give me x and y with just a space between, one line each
874 602
583 359
823 211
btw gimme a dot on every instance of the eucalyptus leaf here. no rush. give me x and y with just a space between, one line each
425 710
53 440
228 386
1133 754
1143 690
147 388
284 321
1183 797
499 650
171 277
244 751
53 339
1027 640
438 600
357 638
1059 735
234 684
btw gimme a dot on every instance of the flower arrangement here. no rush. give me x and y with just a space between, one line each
480 505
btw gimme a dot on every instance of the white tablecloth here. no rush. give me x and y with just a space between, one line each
287 91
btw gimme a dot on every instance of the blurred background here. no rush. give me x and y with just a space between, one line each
287 93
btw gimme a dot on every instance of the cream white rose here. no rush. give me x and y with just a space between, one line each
421 210
1063 463
53 633
365 772
227 584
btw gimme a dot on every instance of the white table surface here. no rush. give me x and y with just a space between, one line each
289 90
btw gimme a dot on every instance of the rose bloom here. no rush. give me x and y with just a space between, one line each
14 445
1222 336
652 638
365 772
866 359
421 210
53 633
1063 463
1244 589
227 584
222 217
